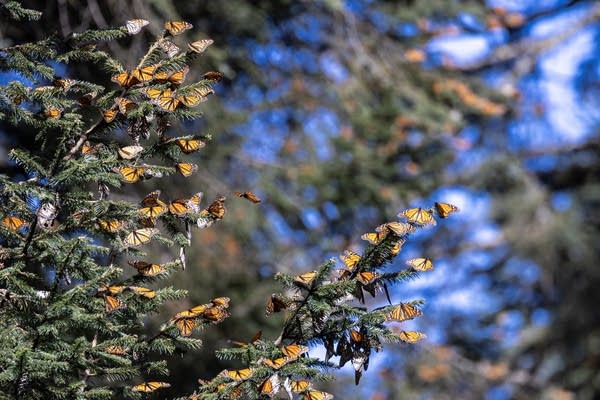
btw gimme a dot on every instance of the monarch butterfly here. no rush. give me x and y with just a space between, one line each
194 202
142 291
220 302
293 351
200 45
114 289
191 99
216 209
144 74
114 349
350 259
420 264
445 209
147 222
109 225
148 387
64 83
248 196
186 169
235 393
396 247
186 326
299 385
277 363
418 216
203 91
146 269
131 174
317 395
403 312
188 146
155 93
240 374
124 105
135 25
270 386
88 149
275 304
215 314
213 76
373 237
112 303
366 277
190 313
177 27
179 207
152 206
165 99
140 236
356 336
129 152
344 274
52 112
13 223
109 115
411 336
169 47
306 279
399 228
183 206
87 98
124 79
175 77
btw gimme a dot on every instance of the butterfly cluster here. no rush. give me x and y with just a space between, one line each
359 273
267 376
215 311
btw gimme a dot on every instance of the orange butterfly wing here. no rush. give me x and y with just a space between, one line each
177 27
200 45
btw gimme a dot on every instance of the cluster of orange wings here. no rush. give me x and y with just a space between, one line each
110 295
166 98
13 223
271 385
133 173
356 345
215 311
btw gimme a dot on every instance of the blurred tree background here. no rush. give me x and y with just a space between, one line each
339 114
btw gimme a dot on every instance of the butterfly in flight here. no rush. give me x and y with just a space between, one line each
177 27
420 264
248 196
134 26
445 209
200 45
418 216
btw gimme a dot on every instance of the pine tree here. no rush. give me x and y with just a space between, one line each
72 309
74 260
